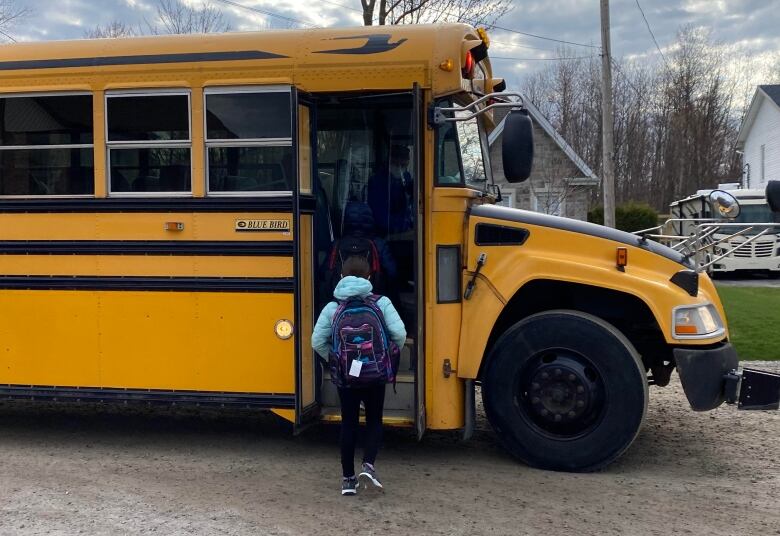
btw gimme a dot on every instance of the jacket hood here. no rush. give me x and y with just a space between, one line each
358 218
352 286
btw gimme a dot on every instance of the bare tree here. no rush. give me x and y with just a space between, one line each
675 123
176 17
475 12
11 13
113 29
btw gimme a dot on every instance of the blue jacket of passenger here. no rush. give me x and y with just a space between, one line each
349 287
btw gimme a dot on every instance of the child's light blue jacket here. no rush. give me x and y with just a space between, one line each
347 288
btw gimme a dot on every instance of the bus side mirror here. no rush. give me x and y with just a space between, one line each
773 195
724 205
517 146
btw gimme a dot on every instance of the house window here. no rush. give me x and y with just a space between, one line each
46 146
249 141
551 202
508 196
148 139
763 156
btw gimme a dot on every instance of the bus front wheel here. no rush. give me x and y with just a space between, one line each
565 391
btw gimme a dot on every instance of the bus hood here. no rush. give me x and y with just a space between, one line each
582 227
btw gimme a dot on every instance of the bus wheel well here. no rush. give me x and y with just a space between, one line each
626 312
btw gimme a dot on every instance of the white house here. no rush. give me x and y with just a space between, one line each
759 138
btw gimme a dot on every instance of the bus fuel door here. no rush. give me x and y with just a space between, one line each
473 283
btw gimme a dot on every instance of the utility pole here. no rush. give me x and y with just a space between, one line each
607 124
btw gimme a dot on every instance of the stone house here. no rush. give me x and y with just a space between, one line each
560 184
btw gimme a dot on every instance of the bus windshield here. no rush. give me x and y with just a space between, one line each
462 154
757 214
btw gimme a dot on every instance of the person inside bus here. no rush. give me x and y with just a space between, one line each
354 295
391 193
359 238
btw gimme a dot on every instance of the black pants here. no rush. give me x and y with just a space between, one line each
374 399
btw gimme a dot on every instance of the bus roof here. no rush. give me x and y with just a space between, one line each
329 59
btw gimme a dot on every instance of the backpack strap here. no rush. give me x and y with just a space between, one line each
333 255
376 266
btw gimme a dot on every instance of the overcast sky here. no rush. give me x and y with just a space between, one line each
751 25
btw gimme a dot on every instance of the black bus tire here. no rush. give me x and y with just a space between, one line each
565 391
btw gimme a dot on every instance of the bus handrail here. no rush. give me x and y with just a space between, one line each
439 112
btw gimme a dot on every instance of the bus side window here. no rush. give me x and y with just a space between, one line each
249 141
46 145
149 142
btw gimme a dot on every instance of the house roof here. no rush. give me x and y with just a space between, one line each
542 121
770 92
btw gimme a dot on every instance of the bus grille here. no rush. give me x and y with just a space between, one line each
755 249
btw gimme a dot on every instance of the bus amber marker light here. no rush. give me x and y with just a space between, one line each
447 65
622 259
284 329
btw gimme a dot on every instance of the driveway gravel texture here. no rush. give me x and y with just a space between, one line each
88 469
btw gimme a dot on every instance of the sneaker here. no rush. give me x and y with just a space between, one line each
349 485
368 476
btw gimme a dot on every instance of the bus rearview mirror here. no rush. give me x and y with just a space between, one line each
773 195
724 205
517 146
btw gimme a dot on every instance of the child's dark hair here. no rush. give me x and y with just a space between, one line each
356 266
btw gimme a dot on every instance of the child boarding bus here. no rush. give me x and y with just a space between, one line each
168 206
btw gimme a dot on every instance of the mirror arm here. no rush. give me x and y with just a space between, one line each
438 113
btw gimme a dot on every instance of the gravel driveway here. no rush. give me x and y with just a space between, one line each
90 470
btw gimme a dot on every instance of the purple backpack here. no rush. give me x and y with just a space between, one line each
362 353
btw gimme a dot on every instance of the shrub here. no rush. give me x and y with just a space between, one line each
628 217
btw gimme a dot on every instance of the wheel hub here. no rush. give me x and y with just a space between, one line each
561 393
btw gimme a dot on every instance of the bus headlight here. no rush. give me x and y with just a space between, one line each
696 322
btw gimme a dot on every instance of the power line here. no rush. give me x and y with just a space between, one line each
269 13
8 36
541 59
342 5
513 45
543 37
642 11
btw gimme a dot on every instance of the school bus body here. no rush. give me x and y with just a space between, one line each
135 298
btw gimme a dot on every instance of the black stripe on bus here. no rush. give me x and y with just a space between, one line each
144 283
187 204
146 396
141 59
140 247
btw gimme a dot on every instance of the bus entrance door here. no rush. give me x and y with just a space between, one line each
308 373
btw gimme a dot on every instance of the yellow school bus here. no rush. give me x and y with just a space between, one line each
168 208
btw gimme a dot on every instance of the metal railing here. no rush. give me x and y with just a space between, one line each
700 246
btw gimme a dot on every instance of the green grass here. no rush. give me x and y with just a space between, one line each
753 315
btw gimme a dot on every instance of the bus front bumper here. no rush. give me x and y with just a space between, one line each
710 376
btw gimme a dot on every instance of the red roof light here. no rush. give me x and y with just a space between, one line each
468 66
